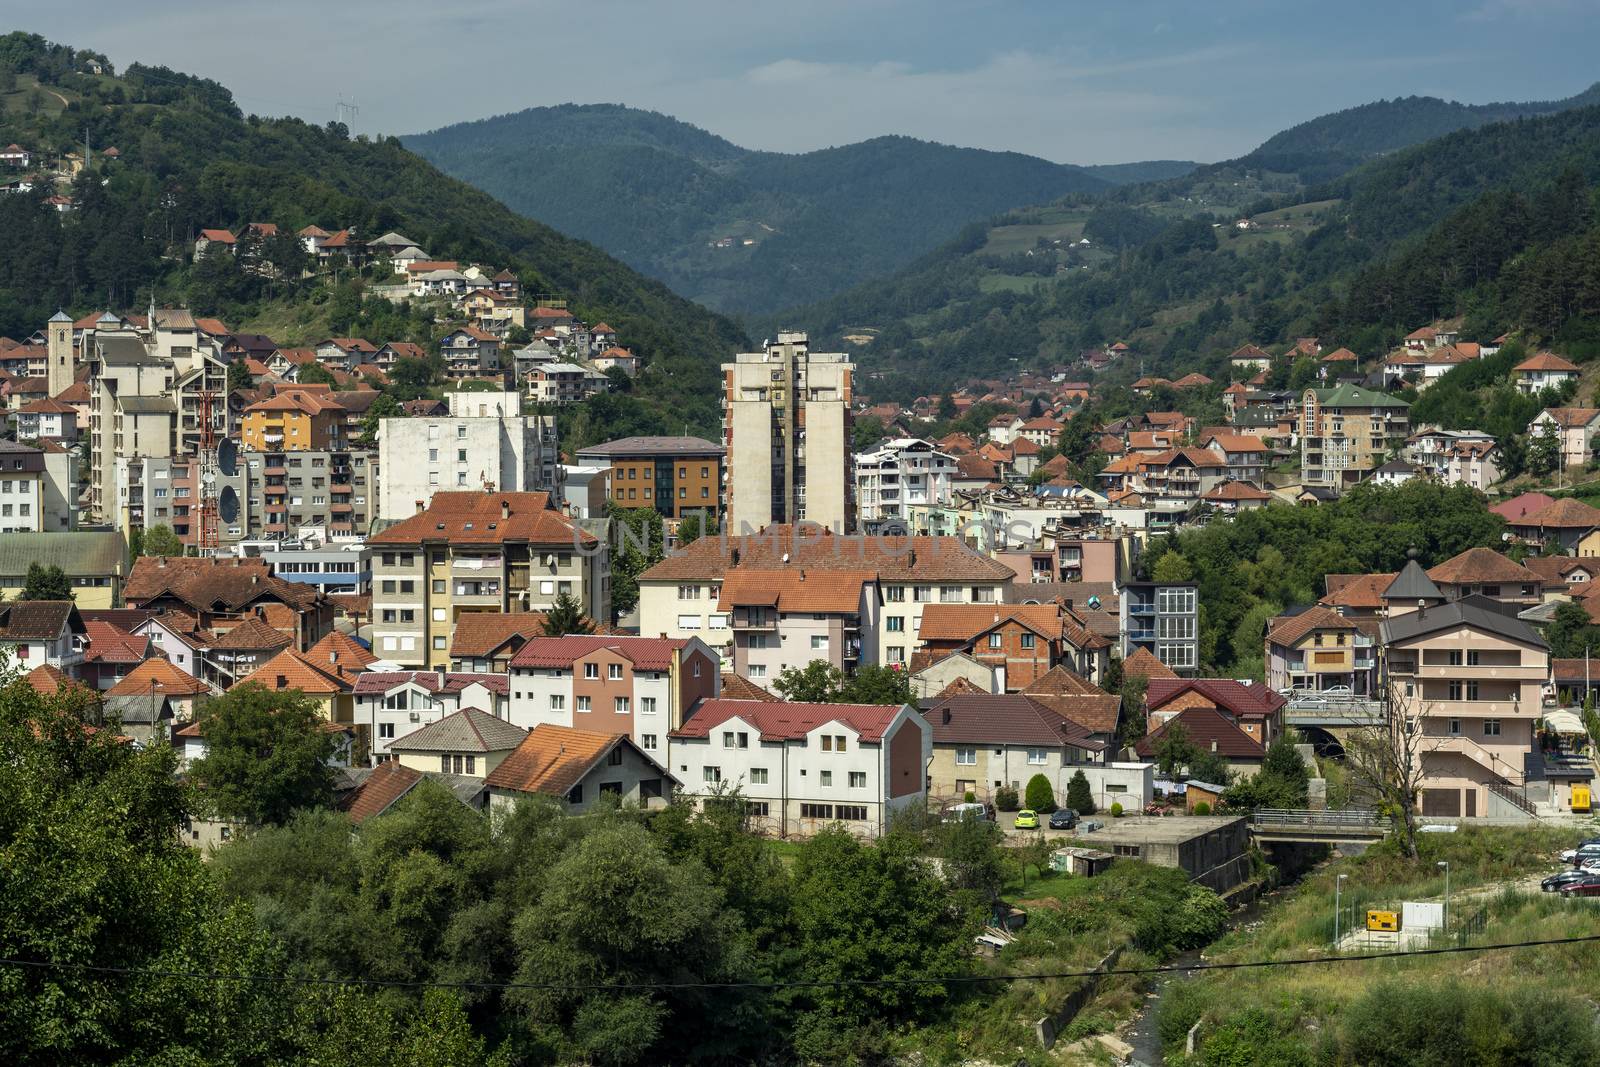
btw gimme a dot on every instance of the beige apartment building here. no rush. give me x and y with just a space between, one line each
1473 672
786 427
1347 431
469 552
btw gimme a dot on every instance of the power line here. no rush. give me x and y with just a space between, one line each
837 983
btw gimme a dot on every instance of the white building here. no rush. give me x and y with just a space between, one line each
801 767
905 472
484 444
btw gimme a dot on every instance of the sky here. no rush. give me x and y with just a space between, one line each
1070 80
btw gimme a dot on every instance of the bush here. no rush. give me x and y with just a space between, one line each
1005 799
1202 808
1078 796
1116 810
1041 797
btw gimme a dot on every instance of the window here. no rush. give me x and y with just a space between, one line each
1028 641
966 757
585 704
816 811
852 812
614 672
711 774
858 779
995 640
758 776
1037 756
647 741
622 705
895 624
1491 727
558 702
591 670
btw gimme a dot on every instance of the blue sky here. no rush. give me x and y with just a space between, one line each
1074 81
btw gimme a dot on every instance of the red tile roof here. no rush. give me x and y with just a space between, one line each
785 721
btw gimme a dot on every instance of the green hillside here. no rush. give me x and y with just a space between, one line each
1495 223
190 159
661 194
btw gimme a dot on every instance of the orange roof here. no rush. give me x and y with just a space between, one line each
290 670
553 759
1546 361
1144 662
486 518
159 676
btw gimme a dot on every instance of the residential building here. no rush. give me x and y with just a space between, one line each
1347 430
786 425
484 445
800 767
1574 431
93 561
1163 618
899 474
468 552
643 687
391 705
676 476
682 596
293 420
468 742
1544 370
1316 650
39 632
578 768
984 742
1473 673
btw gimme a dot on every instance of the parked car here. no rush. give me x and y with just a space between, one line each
1063 819
1561 879
1585 887
1027 819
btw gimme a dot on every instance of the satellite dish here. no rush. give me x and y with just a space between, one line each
227 457
228 504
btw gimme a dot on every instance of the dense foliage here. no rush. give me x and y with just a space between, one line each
658 194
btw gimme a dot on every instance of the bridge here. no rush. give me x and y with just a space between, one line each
1298 826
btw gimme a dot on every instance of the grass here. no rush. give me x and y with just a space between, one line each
1291 1005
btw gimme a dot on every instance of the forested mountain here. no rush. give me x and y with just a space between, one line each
740 230
189 159
1496 223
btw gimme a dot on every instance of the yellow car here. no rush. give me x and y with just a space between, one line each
1027 820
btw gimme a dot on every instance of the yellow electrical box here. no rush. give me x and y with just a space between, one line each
1383 920
1580 798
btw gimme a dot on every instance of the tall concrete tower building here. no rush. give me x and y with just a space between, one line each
786 426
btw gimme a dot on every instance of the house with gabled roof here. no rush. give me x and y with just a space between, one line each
801 767
579 769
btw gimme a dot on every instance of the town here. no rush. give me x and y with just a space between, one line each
1098 638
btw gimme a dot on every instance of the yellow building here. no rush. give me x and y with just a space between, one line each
295 420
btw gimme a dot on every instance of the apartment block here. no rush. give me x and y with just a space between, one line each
801 767
786 425
485 445
676 476
470 552
643 687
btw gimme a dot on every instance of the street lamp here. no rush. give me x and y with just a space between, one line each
1444 865
1338 883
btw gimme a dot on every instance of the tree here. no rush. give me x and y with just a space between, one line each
1079 799
815 683
267 754
1387 759
385 406
46 583
1040 797
159 540
566 617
